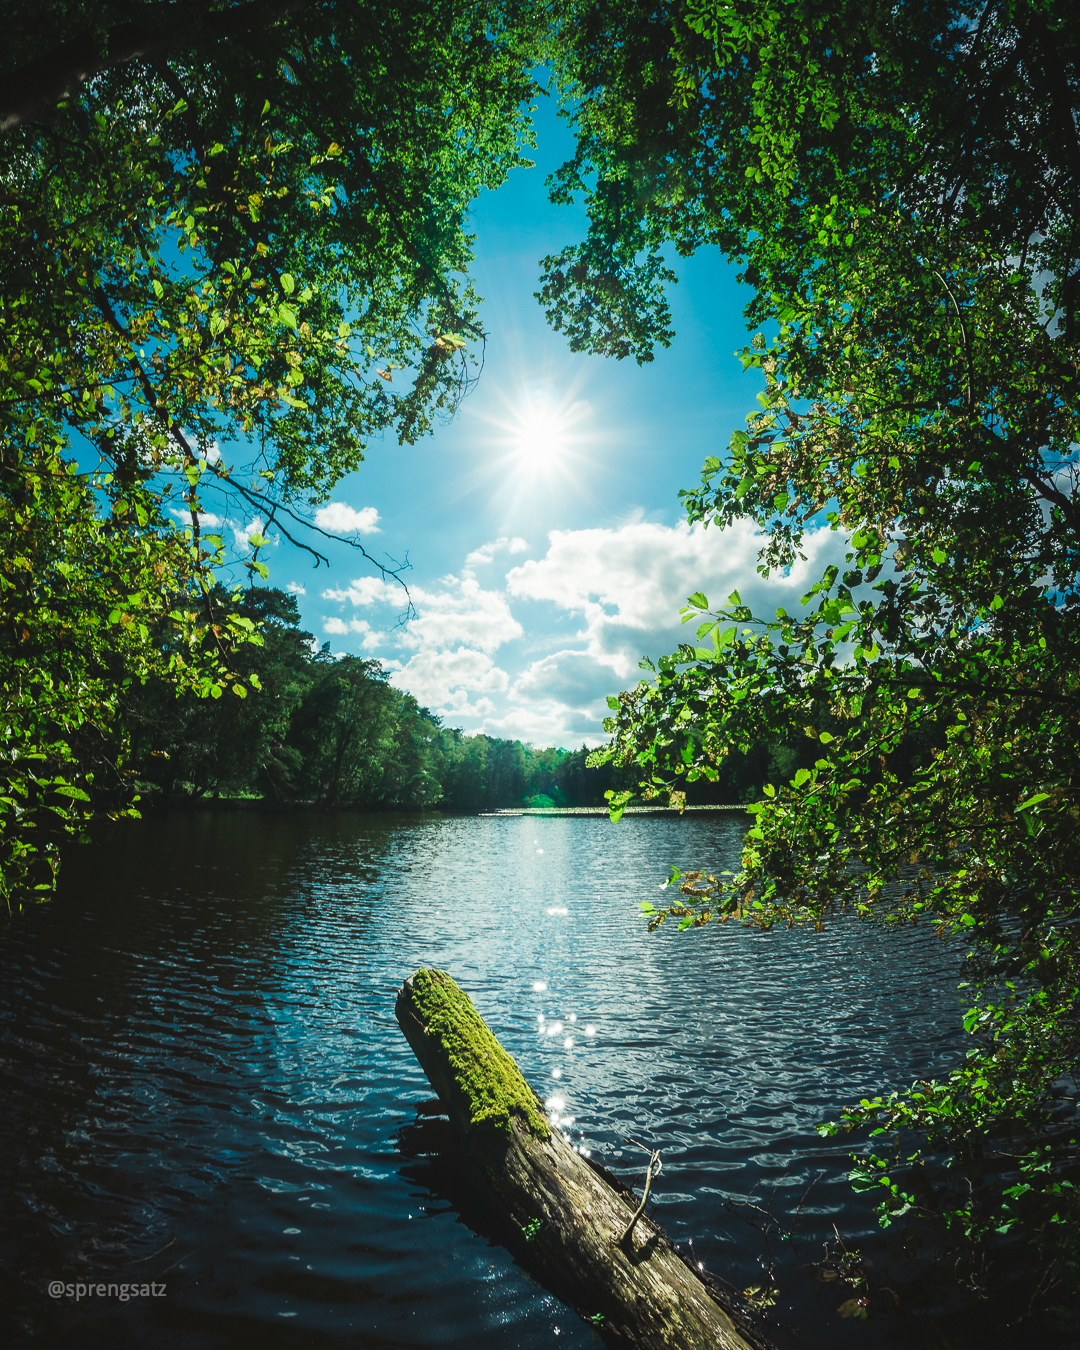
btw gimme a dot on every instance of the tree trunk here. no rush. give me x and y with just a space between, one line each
566 1216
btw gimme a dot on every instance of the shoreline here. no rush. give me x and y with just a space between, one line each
228 804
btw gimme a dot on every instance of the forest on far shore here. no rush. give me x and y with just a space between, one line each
330 731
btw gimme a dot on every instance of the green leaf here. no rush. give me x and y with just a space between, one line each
288 284
1032 801
698 601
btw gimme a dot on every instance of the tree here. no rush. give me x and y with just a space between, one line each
361 741
190 746
232 248
901 187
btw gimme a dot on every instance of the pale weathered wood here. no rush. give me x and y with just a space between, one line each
569 1213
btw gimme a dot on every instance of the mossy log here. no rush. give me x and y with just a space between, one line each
569 1215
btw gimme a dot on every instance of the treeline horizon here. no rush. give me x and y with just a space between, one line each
329 731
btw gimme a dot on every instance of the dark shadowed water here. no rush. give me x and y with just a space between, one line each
205 1087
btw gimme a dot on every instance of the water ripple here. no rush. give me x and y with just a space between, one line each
205 1082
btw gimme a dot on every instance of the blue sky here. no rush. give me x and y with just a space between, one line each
543 524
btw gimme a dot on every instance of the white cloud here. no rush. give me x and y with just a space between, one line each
573 679
207 519
295 588
486 552
629 583
546 724
461 613
339 518
367 591
254 526
432 676
371 638
458 706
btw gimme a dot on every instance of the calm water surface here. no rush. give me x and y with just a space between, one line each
205 1086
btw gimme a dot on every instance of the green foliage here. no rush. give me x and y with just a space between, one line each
488 1078
902 188
233 247
97 594
225 744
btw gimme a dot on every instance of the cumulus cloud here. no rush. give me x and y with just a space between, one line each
546 724
371 638
628 583
254 526
295 588
432 676
207 519
462 612
573 679
456 628
339 518
486 552
624 585
366 591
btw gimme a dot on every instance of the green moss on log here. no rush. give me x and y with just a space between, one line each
488 1077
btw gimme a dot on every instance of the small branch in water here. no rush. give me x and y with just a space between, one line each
654 1170
139 1261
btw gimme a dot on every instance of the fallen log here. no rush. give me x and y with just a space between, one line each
572 1219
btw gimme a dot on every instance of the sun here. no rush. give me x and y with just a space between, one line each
540 441
539 436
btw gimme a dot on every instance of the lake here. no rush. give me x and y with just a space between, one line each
205 1087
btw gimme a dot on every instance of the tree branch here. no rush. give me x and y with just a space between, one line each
274 509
